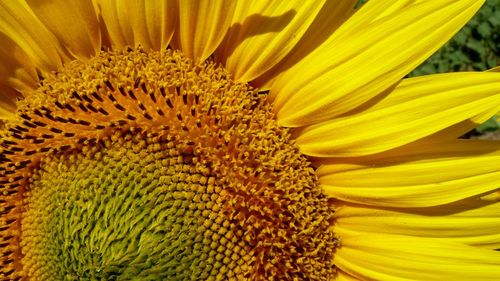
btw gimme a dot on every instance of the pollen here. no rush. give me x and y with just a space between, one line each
144 165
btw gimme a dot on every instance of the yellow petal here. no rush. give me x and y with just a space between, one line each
365 56
150 24
7 103
416 108
463 127
342 276
73 22
17 70
492 197
5 113
469 222
393 257
329 18
202 26
423 176
263 33
466 126
494 69
18 22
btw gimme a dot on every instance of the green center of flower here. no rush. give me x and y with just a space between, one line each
130 207
144 166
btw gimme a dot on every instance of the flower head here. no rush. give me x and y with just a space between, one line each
249 140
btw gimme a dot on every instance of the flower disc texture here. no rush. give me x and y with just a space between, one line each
242 140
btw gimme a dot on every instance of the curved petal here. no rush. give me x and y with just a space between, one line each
342 276
7 103
422 177
5 112
461 128
329 18
492 197
203 25
416 108
494 69
393 257
18 22
73 22
263 33
468 222
365 56
17 70
150 24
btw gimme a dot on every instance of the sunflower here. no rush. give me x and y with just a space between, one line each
242 140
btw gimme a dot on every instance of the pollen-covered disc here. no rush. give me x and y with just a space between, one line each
145 166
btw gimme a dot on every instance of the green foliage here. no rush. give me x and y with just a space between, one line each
489 126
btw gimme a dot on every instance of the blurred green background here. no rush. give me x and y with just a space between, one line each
476 47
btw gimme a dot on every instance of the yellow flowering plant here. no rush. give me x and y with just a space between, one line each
242 140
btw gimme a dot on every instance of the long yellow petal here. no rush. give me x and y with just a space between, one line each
17 70
470 222
422 177
342 276
150 24
393 257
73 22
494 69
466 126
365 56
461 128
492 197
203 25
263 33
7 102
416 108
5 113
329 18
19 23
